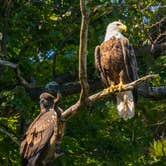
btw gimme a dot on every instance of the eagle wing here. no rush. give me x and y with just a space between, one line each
98 65
129 60
38 134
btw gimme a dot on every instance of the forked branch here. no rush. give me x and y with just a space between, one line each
102 94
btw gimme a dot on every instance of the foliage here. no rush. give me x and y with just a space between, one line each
43 37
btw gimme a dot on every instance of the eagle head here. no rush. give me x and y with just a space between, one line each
114 29
46 101
116 26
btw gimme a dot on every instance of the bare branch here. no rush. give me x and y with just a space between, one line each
157 23
157 48
104 93
152 92
83 52
97 9
23 81
18 72
7 63
156 40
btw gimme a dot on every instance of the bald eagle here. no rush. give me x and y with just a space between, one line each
42 136
116 63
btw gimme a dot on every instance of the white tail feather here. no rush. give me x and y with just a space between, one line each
125 104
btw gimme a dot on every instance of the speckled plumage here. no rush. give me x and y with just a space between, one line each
42 135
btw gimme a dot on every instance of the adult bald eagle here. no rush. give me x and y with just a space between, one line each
42 136
116 62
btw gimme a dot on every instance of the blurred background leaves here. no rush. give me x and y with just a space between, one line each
95 136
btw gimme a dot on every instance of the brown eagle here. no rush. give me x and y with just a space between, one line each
116 62
42 136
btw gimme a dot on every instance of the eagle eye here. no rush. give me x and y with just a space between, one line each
118 24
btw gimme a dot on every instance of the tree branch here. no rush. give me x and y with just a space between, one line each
18 72
102 94
152 92
83 52
156 48
70 88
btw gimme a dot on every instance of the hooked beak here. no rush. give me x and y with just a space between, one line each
123 28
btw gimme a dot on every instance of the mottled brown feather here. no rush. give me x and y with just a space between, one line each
39 133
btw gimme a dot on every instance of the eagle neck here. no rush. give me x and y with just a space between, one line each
43 109
113 33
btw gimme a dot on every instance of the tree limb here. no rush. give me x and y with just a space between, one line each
18 72
102 94
83 52
152 92
70 88
156 48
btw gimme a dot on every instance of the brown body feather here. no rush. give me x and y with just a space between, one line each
115 60
43 135
38 134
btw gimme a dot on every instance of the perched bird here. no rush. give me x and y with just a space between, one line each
116 63
43 135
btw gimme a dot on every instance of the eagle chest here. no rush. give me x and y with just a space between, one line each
111 55
112 59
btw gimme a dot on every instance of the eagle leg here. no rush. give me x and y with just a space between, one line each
120 85
111 88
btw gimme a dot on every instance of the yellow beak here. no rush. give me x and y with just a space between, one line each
123 28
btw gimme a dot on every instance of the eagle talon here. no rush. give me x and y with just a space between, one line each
107 90
112 88
120 85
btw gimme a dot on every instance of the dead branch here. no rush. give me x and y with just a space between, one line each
157 23
18 72
82 63
7 63
102 94
152 92
83 52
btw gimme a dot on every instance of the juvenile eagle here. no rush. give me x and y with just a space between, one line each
116 62
41 137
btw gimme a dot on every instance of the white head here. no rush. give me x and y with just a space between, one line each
114 29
